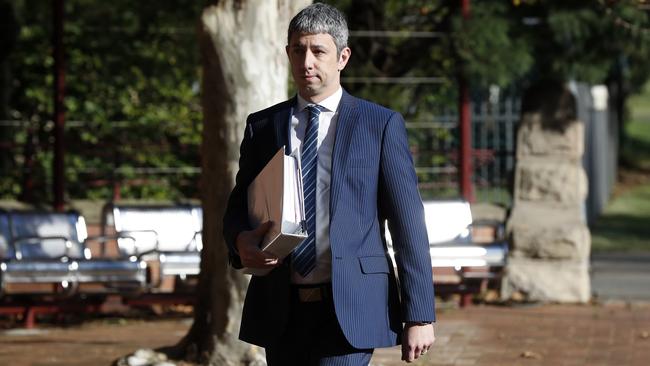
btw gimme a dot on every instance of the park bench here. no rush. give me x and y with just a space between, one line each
46 266
460 264
47 251
167 237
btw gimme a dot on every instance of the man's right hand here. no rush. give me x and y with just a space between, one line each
249 251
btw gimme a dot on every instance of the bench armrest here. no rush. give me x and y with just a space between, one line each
103 239
17 243
128 234
193 240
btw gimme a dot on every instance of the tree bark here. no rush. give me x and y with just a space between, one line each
244 70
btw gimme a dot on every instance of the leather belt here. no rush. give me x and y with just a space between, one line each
312 293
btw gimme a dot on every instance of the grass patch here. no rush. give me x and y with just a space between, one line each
635 150
640 105
625 224
636 145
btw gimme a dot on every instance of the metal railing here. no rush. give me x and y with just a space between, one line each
435 151
434 145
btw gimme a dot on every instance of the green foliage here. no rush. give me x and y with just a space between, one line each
132 72
586 41
132 76
640 108
502 43
488 46
635 149
401 56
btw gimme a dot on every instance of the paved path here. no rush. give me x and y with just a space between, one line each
621 276
556 335
94 343
553 335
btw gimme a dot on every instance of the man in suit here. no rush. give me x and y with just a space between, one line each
336 297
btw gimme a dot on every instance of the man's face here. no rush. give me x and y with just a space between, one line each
315 65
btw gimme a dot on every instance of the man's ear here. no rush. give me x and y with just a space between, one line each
344 57
286 49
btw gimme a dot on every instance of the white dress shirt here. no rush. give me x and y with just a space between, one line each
326 133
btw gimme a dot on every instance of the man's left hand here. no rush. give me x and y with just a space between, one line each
416 340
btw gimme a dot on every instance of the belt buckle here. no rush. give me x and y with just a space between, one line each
310 294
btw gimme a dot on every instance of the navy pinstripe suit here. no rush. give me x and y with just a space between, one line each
373 181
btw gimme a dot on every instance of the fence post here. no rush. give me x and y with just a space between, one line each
465 129
59 117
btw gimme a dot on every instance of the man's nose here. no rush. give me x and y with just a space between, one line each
308 61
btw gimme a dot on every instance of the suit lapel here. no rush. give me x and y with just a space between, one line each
345 125
282 123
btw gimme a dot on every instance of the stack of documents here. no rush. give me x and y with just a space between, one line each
276 195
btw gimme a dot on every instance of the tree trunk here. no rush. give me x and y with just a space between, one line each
244 70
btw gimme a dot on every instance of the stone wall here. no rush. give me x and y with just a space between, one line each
550 241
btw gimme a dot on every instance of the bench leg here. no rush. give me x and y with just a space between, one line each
29 317
465 300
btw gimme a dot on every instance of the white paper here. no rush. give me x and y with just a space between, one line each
276 195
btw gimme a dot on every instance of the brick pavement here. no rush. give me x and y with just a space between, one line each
613 334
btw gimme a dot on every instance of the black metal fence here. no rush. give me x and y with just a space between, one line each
435 150
434 145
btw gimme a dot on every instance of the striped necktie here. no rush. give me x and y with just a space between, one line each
304 256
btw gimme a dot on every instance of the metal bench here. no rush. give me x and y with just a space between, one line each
460 265
47 268
46 252
167 237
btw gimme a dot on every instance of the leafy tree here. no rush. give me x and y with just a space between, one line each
582 41
132 76
430 39
132 98
427 46
512 44
599 42
506 43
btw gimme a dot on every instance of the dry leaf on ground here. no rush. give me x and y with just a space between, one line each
530 354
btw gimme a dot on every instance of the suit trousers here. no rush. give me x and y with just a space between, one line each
314 337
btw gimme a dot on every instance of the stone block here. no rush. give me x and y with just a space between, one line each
535 140
534 240
545 214
547 280
489 211
550 181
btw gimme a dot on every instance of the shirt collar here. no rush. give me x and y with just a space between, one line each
330 103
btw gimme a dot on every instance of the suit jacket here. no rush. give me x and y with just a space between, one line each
373 182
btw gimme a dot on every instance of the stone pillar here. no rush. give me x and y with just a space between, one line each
550 241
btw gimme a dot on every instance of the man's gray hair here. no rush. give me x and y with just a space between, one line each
321 18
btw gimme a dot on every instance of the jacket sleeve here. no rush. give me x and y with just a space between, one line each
402 207
235 219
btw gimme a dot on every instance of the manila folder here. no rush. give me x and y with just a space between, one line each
276 195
